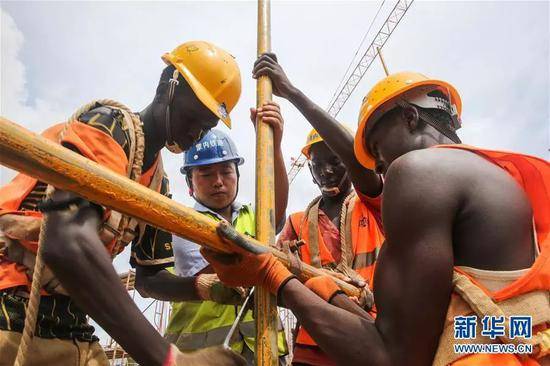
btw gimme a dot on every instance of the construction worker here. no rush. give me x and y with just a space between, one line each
200 85
467 236
341 228
203 309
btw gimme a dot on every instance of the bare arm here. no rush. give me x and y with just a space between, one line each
335 135
163 285
281 188
271 114
413 277
75 254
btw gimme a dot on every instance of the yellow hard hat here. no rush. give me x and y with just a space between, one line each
383 97
313 137
211 72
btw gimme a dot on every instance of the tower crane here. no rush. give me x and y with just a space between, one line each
347 88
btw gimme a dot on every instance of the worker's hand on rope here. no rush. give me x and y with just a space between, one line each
365 299
207 356
270 113
267 65
355 281
245 269
209 287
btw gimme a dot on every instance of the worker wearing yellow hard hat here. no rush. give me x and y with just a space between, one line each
458 201
213 76
211 72
467 244
340 227
401 89
312 138
200 85
335 230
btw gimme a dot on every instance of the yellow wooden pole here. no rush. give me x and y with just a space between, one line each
266 304
51 163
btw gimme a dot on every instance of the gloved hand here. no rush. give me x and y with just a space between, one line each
245 269
324 287
209 287
218 356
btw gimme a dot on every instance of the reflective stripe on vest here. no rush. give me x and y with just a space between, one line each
366 239
198 324
359 250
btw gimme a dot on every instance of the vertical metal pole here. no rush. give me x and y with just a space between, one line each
266 304
382 60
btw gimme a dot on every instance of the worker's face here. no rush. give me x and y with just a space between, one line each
327 169
395 134
190 119
215 185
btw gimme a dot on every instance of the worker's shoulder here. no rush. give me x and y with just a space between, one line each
438 162
110 121
442 170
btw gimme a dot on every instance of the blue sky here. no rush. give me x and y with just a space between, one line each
56 56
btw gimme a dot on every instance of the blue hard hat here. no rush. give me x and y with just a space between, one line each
215 147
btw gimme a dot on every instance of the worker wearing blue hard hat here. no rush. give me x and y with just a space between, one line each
203 309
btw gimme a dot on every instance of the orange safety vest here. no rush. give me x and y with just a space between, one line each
91 143
533 175
366 238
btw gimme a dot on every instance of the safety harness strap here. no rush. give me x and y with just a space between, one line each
473 300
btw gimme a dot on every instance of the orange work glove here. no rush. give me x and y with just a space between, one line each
324 287
246 269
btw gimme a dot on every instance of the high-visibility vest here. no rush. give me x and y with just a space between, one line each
527 295
97 146
363 238
199 324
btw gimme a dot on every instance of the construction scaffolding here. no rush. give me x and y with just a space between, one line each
160 313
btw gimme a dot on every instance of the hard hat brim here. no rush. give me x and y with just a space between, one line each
305 151
200 91
361 152
239 161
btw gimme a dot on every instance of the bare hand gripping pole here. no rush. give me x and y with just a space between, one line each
51 163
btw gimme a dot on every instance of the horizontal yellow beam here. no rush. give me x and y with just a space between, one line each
49 162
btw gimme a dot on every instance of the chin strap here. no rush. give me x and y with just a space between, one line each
170 144
424 100
335 191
